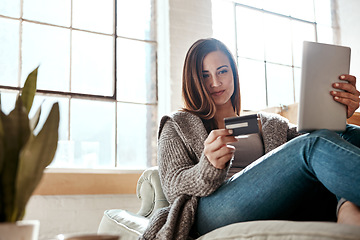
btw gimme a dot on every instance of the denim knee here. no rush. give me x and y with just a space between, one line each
351 135
324 133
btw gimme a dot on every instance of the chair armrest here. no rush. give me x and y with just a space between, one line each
150 192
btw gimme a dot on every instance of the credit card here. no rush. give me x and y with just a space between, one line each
242 125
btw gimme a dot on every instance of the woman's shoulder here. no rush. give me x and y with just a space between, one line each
181 118
182 121
182 115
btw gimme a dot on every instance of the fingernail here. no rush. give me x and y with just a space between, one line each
337 98
230 131
333 92
342 77
336 84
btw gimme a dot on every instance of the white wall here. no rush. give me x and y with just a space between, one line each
349 19
75 213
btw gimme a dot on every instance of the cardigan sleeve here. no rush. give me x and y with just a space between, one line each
276 130
292 131
181 172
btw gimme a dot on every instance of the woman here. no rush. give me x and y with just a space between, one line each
290 176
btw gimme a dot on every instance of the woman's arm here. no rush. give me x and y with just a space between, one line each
181 172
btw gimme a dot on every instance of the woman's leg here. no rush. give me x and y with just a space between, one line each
305 173
349 213
352 134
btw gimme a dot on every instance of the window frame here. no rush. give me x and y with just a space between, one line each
265 61
69 95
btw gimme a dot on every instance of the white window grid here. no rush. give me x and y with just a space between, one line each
151 140
267 62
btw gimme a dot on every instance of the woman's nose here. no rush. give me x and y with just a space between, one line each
215 82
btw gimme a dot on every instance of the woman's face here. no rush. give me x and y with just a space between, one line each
218 77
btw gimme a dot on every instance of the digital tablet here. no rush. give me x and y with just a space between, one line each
322 64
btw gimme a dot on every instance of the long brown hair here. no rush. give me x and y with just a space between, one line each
195 96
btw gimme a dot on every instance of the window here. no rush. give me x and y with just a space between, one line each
268 44
97 58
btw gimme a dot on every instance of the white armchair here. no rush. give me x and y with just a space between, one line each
129 225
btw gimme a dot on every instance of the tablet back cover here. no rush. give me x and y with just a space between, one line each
322 64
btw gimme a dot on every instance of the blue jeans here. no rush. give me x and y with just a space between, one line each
300 180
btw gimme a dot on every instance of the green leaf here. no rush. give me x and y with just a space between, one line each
29 90
16 134
2 149
35 120
2 159
36 155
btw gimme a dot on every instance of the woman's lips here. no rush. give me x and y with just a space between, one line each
218 93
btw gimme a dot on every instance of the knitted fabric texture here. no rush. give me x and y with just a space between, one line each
186 174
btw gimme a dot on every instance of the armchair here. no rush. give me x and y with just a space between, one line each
130 226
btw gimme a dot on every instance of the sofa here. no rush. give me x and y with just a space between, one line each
130 226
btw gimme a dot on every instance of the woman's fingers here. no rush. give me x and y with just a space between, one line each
218 138
217 133
349 95
350 78
225 150
221 157
216 147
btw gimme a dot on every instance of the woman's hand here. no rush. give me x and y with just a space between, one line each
217 149
349 96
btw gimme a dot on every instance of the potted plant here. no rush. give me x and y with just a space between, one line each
23 156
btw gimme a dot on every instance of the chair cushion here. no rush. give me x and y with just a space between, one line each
129 226
284 230
123 223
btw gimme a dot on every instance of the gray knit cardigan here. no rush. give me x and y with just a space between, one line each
186 174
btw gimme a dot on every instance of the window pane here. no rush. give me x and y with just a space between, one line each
94 15
136 71
252 3
223 23
250 36
136 19
325 34
323 12
92 130
48 47
92 63
9 52
278 6
54 12
301 32
277 39
303 9
10 8
8 100
252 75
136 135
279 85
46 104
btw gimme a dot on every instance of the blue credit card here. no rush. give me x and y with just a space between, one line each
243 125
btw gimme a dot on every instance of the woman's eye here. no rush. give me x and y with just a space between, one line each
223 71
205 75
